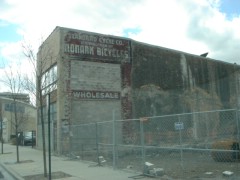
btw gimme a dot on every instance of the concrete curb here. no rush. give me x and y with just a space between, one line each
11 172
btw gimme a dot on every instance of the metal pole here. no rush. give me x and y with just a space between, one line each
237 100
98 160
236 154
142 144
180 141
114 140
2 133
237 103
32 138
49 138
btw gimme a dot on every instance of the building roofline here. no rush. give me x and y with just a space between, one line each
10 99
186 53
161 47
93 32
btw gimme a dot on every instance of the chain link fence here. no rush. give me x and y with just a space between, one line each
184 145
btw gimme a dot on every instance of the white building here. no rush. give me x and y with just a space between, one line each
25 117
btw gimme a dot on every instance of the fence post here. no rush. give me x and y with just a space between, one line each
180 141
142 144
97 145
238 132
237 123
114 139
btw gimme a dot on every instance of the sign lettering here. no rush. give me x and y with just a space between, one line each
94 46
97 95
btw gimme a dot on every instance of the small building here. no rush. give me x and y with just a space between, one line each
18 96
25 117
90 75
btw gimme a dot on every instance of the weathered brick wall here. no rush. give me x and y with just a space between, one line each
93 76
163 78
99 73
87 75
89 82
165 81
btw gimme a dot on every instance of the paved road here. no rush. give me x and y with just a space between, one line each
4 174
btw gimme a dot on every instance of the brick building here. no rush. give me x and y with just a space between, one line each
91 75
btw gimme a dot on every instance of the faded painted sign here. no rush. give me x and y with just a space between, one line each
96 95
97 47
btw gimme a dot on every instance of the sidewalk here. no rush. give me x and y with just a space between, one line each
31 163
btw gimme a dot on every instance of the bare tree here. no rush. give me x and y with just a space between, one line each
14 82
35 84
1 119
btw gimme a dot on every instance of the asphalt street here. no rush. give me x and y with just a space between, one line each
4 175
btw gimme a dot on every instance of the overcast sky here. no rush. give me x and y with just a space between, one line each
193 26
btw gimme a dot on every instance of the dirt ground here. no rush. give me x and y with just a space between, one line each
176 165
188 165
